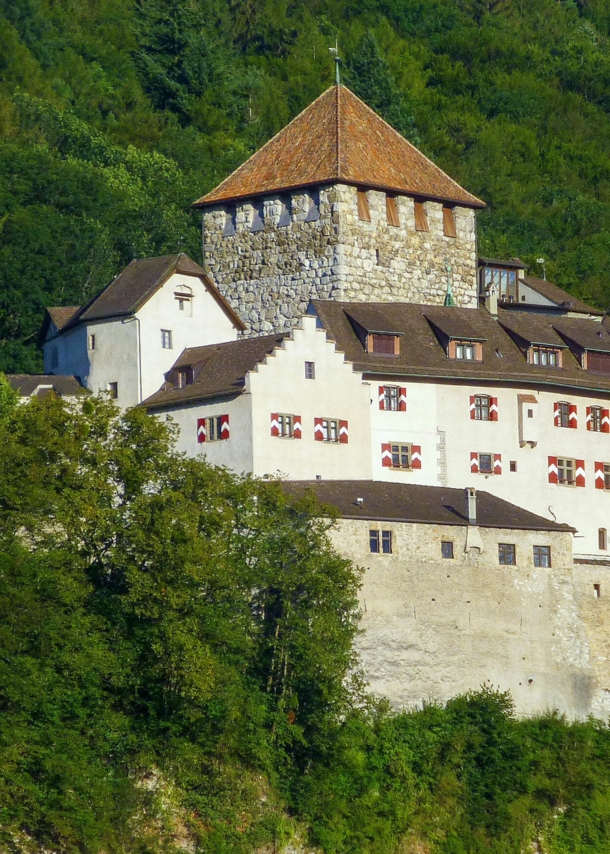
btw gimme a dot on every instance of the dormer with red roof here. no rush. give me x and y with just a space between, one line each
338 205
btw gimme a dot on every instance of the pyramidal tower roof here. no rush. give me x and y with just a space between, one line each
338 139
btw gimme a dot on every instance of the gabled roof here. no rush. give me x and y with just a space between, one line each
39 385
338 139
60 315
136 284
406 502
559 297
219 370
533 329
583 333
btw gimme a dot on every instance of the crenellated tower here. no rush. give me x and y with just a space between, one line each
338 206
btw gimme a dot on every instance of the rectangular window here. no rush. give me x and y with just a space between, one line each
310 370
230 223
542 556
401 456
513 465
595 423
507 554
602 539
505 281
166 339
606 476
285 218
486 463
92 342
597 590
364 212
113 389
481 407
330 430
449 222
563 414
421 220
391 398
391 211
466 351
374 542
257 223
544 357
313 209
565 470
214 428
387 345
386 542
185 377
285 425
447 549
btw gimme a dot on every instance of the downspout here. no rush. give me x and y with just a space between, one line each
140 395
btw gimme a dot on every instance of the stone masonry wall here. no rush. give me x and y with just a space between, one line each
269 276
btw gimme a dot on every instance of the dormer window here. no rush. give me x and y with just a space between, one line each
382 344
505 280
465 351
184 377
544 356
184 300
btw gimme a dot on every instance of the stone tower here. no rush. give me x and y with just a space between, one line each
338 206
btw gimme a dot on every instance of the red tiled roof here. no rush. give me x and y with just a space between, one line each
339 139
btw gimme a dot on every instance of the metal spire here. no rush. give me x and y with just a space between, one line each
335 51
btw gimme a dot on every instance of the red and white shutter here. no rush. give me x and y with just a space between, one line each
402 400
382 397
573 415
588 421
415 456
556 414
318 432
472 408
224 427
296 426
580 472
343 432
474 462
386 455
493 408
553 473
605 420
275 424
600 482
201 434
497 463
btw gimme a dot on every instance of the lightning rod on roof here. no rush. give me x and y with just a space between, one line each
335 51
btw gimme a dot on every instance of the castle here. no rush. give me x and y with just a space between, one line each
343 333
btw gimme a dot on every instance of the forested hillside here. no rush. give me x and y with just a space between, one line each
116 114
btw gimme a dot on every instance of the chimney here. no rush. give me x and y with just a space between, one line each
491 300
471 495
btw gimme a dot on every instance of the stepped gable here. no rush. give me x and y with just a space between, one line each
218 370
338 139
406 502
424 329
134 286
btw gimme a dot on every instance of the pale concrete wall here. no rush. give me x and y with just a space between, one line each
279 385
434 628
269 276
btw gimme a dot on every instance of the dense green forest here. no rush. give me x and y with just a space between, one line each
176 671
116 114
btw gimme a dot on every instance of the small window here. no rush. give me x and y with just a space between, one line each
606 476
386 542
602 539
596 415
513 465
530 413
91 342
385 345
330 430
565 470
543 356
391 211
166 339
54 357
486 464
481 407
465 351
374 542
447 549
597 590
391 398
449 222
310 370
113 390
563 415
401 456
421 220
184 300
285 218
257 223
285 425
542 556
230 223
364 212
184 377
214 428
507 554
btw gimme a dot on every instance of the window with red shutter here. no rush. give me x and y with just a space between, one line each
296 427
275 427
201 431
553 473
402 399
382 397
224 427
580 473
386 455
343 432
416 456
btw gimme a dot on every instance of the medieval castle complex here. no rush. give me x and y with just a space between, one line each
343 334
